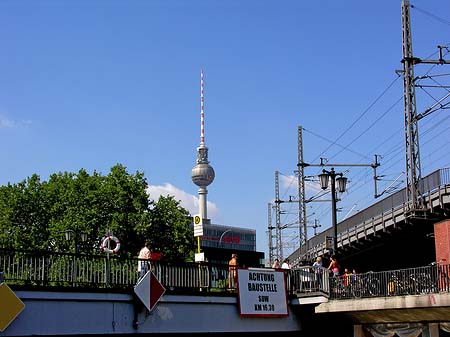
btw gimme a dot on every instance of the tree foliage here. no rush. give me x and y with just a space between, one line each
36 214
169 230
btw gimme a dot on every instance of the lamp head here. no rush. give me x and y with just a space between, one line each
341 184
324 178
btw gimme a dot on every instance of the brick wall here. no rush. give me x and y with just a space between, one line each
442 241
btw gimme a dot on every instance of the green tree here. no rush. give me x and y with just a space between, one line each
36 215
170 232
24 215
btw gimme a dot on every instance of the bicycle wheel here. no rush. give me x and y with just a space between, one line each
356 288
373 287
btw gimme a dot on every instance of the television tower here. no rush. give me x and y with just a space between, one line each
202 173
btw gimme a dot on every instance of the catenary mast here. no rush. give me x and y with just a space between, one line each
202 173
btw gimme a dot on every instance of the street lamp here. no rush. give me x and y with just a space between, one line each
84 236
325 177
221 236
70 233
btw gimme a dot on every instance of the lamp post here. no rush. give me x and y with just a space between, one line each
334 177
83 236
69 233
222 235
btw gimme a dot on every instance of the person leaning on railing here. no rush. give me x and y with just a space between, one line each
144 259
347 277
334 266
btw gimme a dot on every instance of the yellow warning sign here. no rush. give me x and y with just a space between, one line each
10 306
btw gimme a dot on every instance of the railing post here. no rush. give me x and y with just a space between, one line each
107 270
44 270
74 270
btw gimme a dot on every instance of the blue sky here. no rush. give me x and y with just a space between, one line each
89 84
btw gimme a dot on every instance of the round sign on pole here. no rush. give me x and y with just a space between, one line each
197 219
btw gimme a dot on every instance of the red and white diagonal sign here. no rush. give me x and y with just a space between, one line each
149 290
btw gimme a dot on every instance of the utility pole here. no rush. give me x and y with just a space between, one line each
270 229
278 227
279 240
414 188
413 171
315 226
302 221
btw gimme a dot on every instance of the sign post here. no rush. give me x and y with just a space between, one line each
199 257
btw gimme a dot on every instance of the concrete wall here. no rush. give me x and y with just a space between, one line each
64 313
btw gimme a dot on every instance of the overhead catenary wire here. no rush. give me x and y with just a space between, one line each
390 147
437 18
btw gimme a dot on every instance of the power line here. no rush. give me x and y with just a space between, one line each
437 18
359 118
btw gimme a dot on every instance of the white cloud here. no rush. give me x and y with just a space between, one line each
188 201
6 123
9 123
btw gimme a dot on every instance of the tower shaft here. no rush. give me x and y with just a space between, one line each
202 208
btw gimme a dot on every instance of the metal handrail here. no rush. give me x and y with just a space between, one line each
434 278
50 269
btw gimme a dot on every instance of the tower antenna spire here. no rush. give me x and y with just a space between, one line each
202 110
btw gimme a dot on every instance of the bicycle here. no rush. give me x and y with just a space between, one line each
401 285
369 285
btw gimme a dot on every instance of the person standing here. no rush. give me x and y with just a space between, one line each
232 272
286 264
334 266
276 264
144 259
317 266
347 277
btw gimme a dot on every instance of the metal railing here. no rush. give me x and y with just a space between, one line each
47 270
50 270
22 268
434 278
306 280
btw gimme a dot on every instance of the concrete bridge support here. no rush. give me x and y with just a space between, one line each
426 315
399 329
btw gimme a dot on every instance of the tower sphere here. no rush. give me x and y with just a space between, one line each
202 174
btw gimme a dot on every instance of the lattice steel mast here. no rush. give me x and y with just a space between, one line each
302 220
279 239
414 188
270 230
413 170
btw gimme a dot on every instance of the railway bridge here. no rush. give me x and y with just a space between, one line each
387 235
